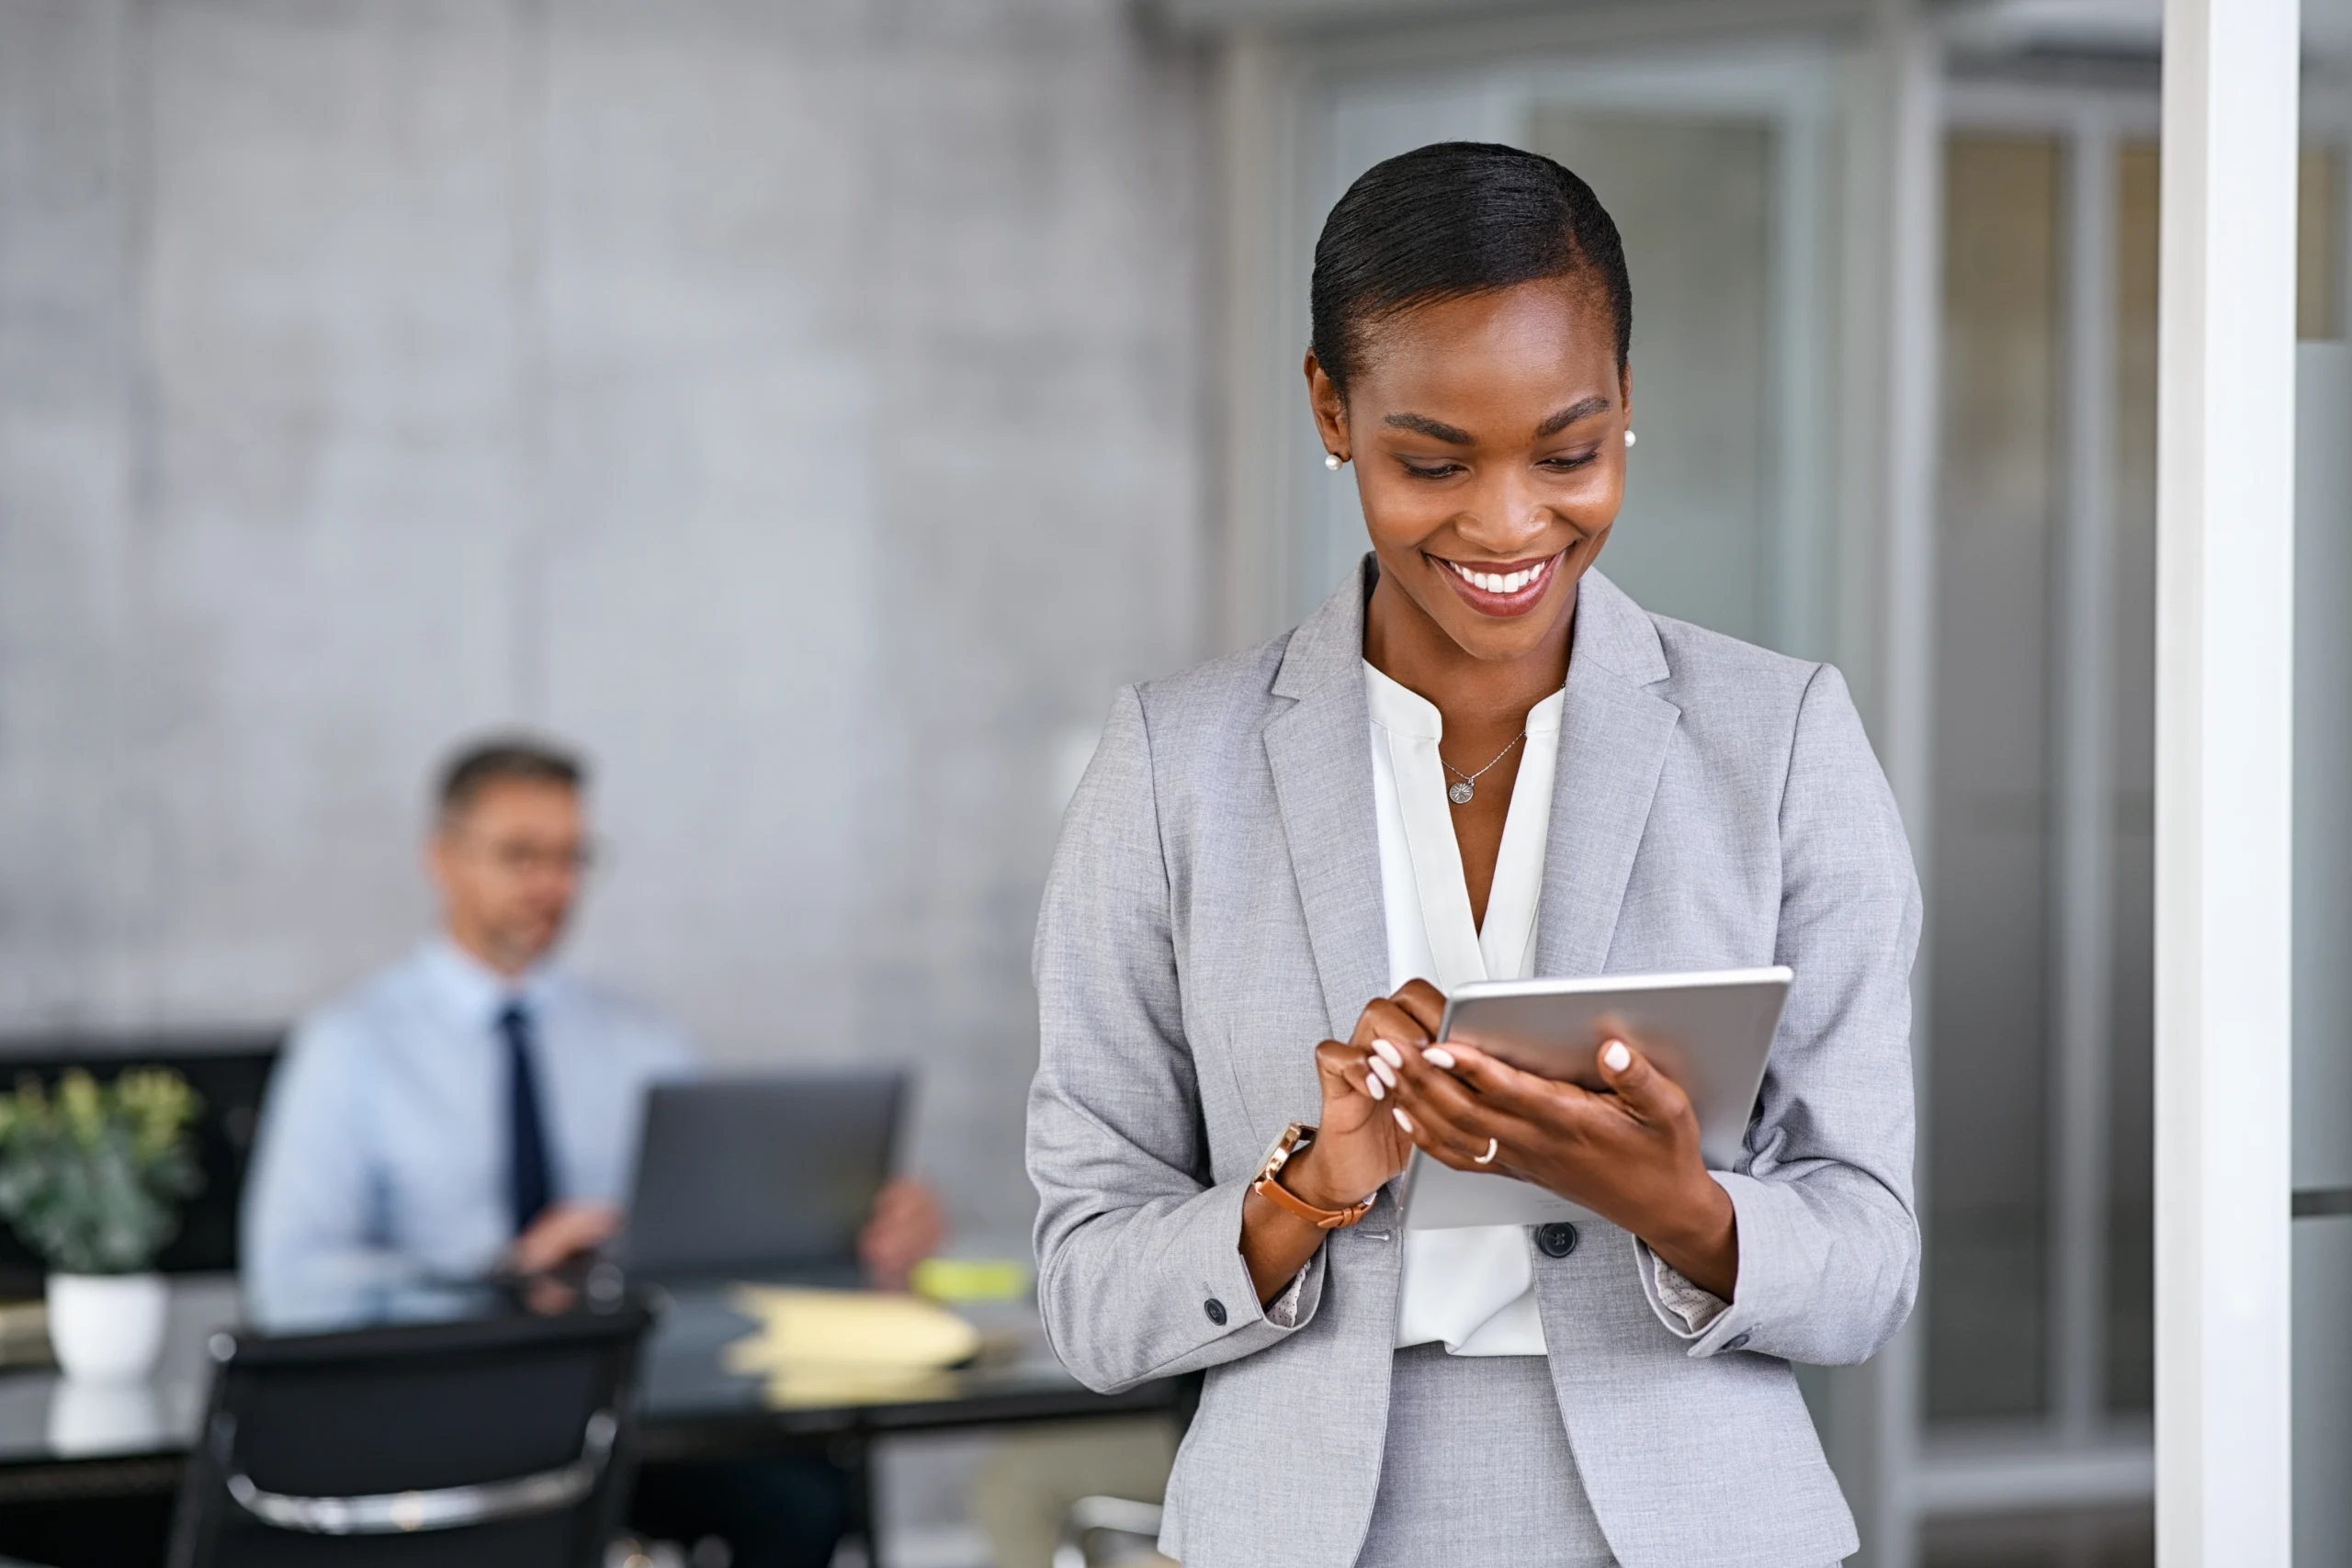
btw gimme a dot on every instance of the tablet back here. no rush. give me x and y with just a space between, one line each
760 1176
1712 1032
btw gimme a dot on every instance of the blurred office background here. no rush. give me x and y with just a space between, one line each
795 404
816 407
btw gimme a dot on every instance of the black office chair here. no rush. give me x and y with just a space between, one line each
499 1443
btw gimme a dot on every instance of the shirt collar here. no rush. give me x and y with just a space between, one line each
472 989
1398 708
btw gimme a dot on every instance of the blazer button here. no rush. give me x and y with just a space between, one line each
1216 1309
1738 1341
1557 1240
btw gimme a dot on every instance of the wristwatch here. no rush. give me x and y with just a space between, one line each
1296 1136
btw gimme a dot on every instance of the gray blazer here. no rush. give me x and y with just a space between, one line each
1214 909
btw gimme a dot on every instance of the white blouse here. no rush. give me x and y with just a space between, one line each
1471 1289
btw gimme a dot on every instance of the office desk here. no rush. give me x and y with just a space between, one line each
60 1441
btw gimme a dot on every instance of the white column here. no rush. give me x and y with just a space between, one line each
2224 736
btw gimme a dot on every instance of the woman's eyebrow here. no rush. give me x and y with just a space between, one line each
1569 415
1435 428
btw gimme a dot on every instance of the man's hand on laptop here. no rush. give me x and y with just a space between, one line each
906 1227
562 1233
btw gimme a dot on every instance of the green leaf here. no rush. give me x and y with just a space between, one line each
91 1178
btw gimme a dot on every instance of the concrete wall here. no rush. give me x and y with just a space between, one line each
796 402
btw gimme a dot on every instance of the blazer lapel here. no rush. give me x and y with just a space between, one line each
1614 737
1321 752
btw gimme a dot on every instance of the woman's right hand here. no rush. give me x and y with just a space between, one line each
1359 1147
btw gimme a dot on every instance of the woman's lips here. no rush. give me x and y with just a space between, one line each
1501 588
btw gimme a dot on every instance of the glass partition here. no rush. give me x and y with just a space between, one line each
1721 176
2323 1079
2041 1308
2002 488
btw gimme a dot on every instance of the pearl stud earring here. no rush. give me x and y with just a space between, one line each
1629 438
1332 460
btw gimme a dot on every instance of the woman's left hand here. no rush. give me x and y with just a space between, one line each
1631 1154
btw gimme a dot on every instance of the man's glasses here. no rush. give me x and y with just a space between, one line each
523 858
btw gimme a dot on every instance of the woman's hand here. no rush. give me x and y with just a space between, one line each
1358 1145
1630 1155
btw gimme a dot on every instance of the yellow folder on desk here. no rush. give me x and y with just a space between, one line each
846 1346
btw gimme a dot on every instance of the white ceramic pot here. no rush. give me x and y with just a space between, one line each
107 1327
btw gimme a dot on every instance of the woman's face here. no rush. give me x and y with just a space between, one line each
1488 438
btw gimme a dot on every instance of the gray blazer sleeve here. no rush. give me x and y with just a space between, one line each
1828 1241
1139 1270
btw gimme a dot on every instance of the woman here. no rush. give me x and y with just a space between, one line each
1479 759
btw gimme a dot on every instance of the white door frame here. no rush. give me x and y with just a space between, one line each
2226 543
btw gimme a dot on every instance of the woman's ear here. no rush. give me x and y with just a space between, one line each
1625 390
1331 412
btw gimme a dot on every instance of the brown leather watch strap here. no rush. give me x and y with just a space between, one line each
1290 1203
1297 1135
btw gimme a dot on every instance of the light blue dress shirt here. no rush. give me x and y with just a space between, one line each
382 1153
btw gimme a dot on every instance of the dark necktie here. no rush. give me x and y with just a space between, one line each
528 1186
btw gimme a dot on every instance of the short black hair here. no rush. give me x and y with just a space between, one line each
1451 220
476 766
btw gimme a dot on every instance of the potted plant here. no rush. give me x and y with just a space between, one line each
92 1179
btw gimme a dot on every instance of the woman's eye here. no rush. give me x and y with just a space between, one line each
1431 470
1569 464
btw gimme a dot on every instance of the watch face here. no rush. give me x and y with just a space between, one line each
1294 1137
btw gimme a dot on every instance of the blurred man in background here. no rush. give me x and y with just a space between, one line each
473 1109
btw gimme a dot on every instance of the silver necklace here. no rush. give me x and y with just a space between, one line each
1466 785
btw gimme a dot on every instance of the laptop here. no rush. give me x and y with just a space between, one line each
761 1177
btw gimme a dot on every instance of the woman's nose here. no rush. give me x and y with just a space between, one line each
1507 514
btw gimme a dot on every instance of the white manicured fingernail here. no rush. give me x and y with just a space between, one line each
1402 1119
1389 1053
1372 1085
1439 1056
1617 1057
1383 1072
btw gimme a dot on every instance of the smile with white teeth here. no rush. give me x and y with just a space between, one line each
1501 581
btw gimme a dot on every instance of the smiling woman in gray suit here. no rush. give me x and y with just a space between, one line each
1479 760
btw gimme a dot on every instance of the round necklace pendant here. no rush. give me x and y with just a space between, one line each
1460 794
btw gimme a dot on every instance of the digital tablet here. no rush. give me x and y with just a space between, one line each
1711 1032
